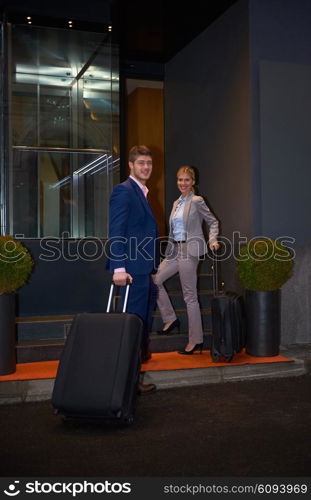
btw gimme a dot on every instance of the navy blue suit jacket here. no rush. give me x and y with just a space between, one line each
133 232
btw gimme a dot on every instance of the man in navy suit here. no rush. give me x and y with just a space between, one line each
133 243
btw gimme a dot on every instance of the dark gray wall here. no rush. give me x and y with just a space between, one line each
285 150
207 120
280 41
238 103
296 310
69 277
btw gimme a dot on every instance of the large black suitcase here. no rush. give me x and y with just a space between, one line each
98 373
228 322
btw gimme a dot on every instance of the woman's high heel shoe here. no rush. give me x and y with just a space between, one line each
175 324
198 347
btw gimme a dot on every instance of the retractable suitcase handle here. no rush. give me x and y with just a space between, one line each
215 274
216 290
111 295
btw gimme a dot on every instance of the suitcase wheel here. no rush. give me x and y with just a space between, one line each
128 420
65 419
215 357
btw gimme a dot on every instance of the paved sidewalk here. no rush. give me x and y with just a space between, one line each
40 390
250 428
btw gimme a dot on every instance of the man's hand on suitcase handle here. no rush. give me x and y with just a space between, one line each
121 279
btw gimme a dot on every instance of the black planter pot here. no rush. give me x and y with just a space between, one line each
7 334
263 314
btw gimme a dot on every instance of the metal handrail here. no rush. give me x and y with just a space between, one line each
60 150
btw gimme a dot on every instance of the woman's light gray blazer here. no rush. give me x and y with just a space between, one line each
195 212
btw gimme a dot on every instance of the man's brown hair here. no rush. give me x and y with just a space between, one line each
136 151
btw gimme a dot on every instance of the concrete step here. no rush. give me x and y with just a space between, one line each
174 342
40 350
42 338
52 329
181 314
43 327
50 350
57 326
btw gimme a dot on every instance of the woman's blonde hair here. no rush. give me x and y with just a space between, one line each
189 171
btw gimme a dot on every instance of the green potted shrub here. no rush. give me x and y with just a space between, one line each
263 266
16 265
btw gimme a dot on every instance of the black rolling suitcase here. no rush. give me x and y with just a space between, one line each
99 369
228 322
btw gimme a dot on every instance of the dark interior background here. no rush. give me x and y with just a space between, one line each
145 31
237 107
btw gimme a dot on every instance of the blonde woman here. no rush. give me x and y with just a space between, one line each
186 245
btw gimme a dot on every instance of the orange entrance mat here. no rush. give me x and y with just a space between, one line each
159 361
175 361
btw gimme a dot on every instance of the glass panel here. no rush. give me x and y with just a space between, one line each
3 133
61 194
95 182
25 194
65 131
54 116
24 115
98 87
